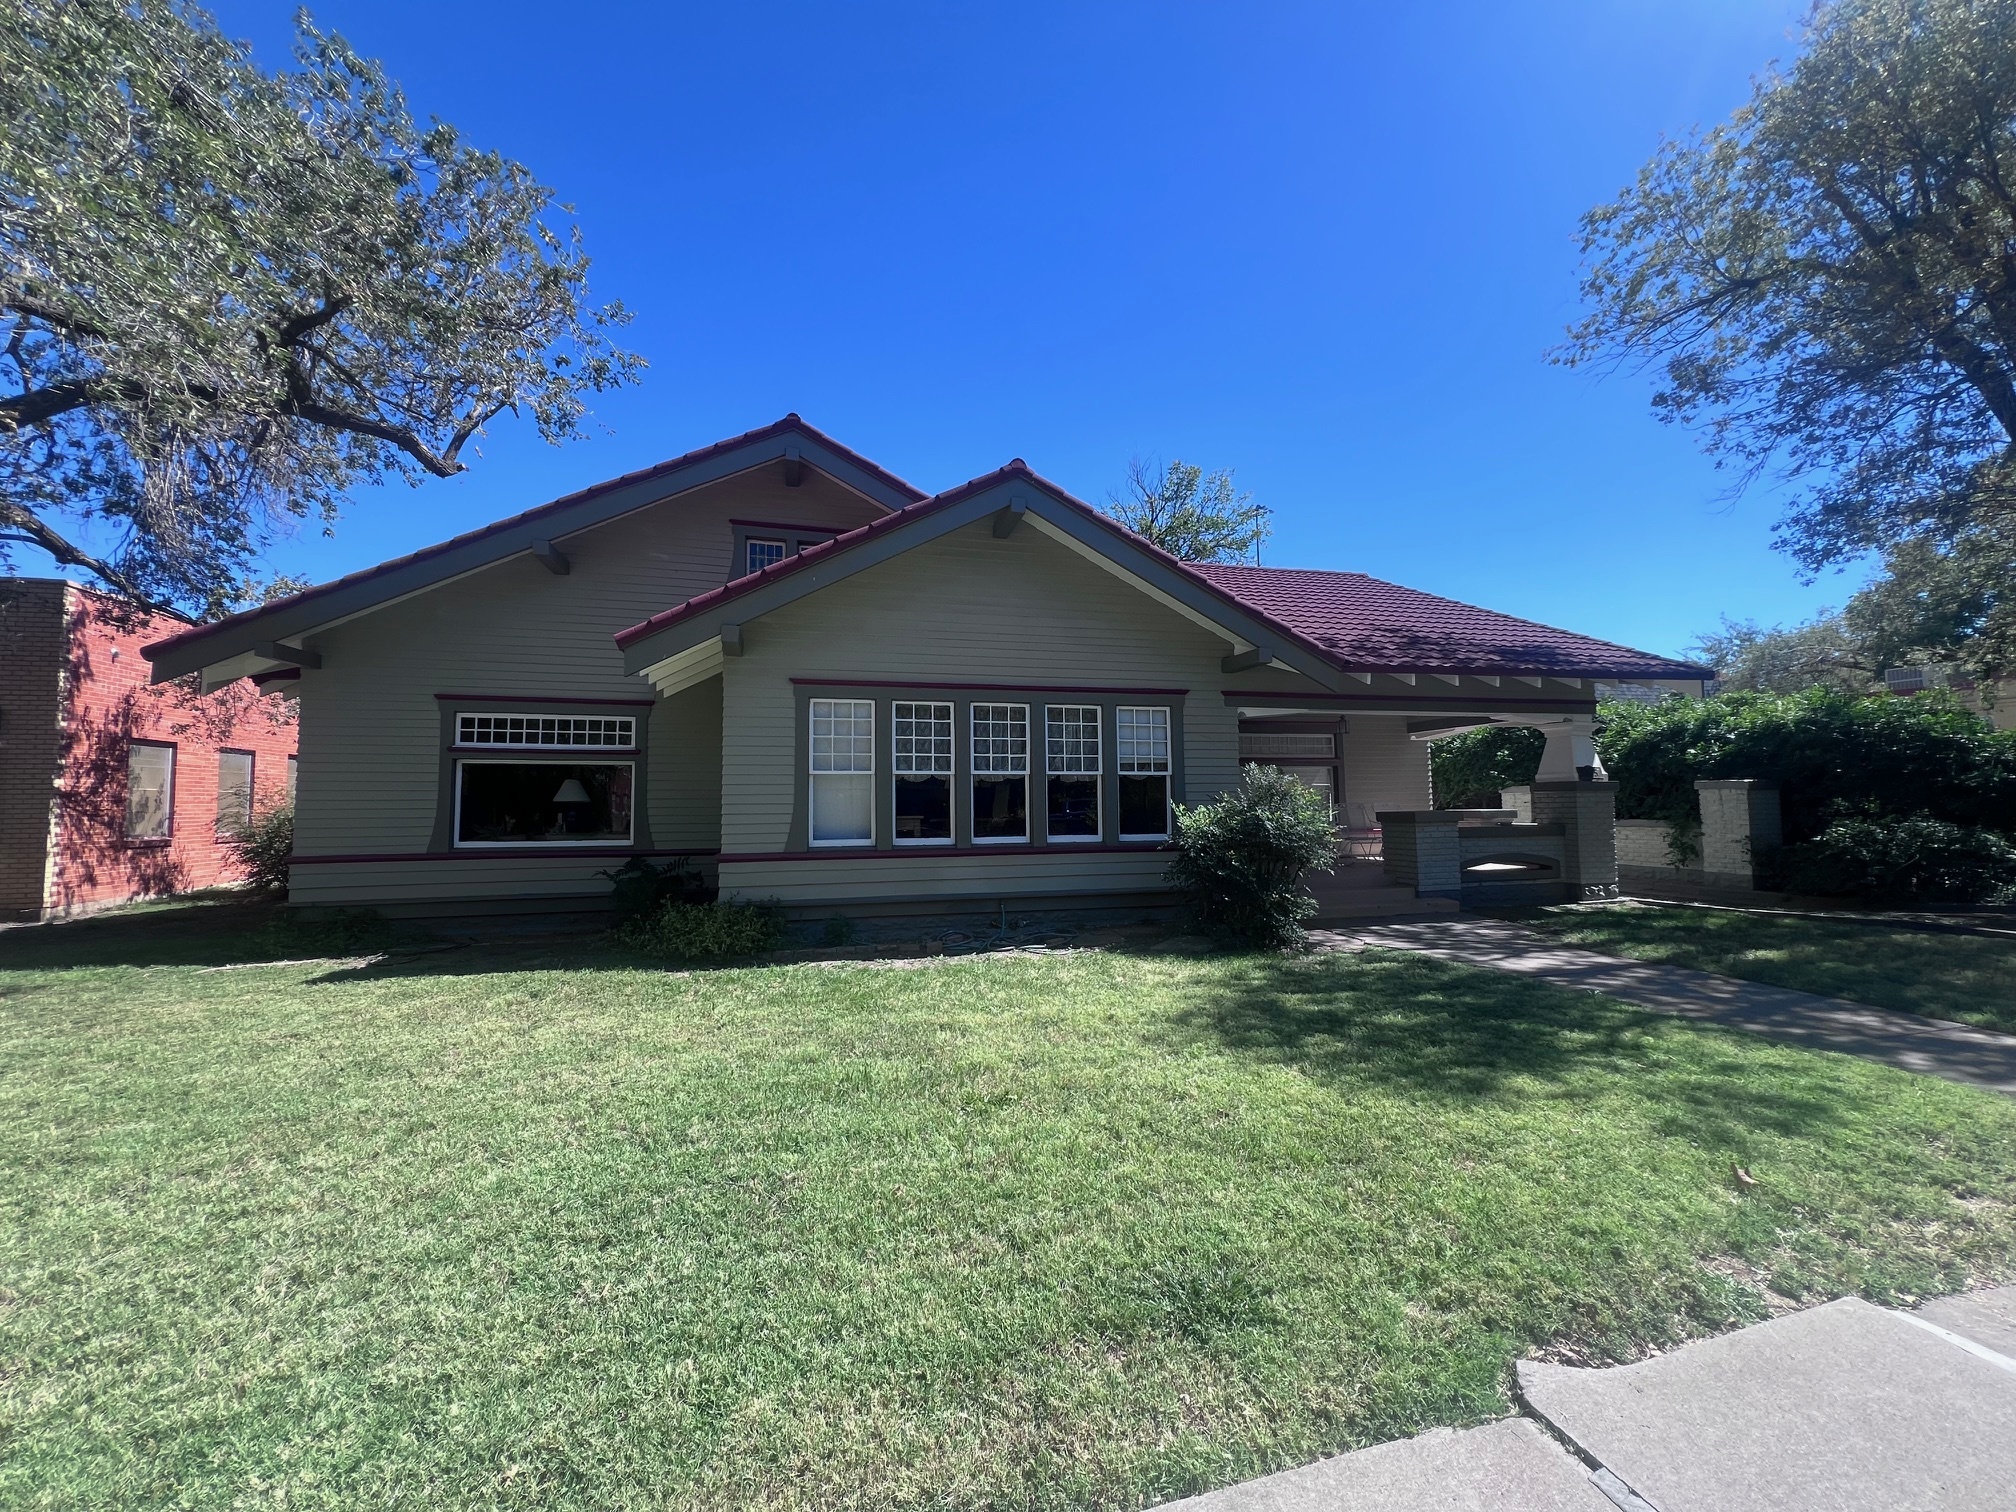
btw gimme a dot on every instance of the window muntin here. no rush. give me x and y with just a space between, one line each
759 552
1259 744
548 732
234 791
1141 756
1071 748
543 803
842 772
150 790
921 764
1000 746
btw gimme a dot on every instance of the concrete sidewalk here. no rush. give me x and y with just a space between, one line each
1844 1408
1956 1052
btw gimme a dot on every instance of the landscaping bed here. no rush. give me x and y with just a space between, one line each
1969 978
544 1225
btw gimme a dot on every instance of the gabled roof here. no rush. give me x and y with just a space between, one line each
1352 622
503 538
1371 625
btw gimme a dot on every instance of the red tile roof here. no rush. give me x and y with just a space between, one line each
1365 624
790 422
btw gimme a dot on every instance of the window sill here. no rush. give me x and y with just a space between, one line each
1075 839
922 844
151 842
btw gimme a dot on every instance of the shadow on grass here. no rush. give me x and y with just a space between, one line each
1474 1035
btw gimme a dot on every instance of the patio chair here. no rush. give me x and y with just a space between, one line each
1360 834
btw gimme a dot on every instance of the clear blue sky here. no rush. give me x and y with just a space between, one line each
1326 245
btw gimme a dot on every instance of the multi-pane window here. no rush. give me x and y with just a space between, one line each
921 759
150 791
842 772
1141 757
761 552
1071 768
1000 772
547 731
543 802
234 791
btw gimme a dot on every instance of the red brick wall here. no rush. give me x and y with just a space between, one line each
31 710
109 703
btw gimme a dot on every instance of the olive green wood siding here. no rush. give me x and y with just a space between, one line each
968 608
1383 766
370 726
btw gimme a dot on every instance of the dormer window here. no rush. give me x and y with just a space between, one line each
763 551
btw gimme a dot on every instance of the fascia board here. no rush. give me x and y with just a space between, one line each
404 581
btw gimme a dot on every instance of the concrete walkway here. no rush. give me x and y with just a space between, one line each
1978 1057
1845 1408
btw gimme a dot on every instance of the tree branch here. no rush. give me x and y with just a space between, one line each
36 533
304 408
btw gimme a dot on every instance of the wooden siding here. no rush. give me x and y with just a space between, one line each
370 730
969 608
1382 766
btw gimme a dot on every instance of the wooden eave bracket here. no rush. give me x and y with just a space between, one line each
794 467
1246 661
292 656
1008 517
551 557
731 640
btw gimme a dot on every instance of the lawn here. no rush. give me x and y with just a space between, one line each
502 1227
1971 978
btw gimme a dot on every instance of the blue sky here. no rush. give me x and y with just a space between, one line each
1325 245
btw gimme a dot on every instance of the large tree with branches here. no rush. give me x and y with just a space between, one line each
230 296
1826 284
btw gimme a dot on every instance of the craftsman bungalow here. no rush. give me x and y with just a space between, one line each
775 657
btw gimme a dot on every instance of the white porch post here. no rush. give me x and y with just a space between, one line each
1571 751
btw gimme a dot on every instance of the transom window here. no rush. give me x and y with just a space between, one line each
842 772
763 551
1141 755
1000 773
1288 743
1071 765
921 761
547 731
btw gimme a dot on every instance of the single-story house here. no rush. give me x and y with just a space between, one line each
834 689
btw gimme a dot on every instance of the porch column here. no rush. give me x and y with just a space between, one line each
1738 819
1571 751
1587 811
1422 852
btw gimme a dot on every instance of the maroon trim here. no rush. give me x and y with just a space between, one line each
911 852
965 687
790 422
517 853
818 530
1260 695
563 753
527 698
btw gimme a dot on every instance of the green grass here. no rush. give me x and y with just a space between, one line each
512 1227
1970 978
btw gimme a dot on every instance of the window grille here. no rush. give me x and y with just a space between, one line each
1001 739
1073 743
556 732
1142 740
923 739
1288 743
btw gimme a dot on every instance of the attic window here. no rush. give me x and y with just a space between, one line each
547 732
763 551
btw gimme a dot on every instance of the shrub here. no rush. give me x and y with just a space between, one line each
1471 770
1240 861
264 847
1833 755
640 889
681 931
1912 862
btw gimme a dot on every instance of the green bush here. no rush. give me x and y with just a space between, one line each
1833 756
264 848
1471 770
1915 862
639 889
707 931
1241 861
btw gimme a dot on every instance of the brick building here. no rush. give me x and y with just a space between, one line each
112 789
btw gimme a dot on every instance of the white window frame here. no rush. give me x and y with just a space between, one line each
1068 764
1129 761
167 835
1002 764
234 824
489 730
931 764
813 770
749 545
603 842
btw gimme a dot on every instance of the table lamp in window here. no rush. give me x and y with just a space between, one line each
570 796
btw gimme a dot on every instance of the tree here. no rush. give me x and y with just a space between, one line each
1191 514
1825 284
1943 602
227 297
1825 652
